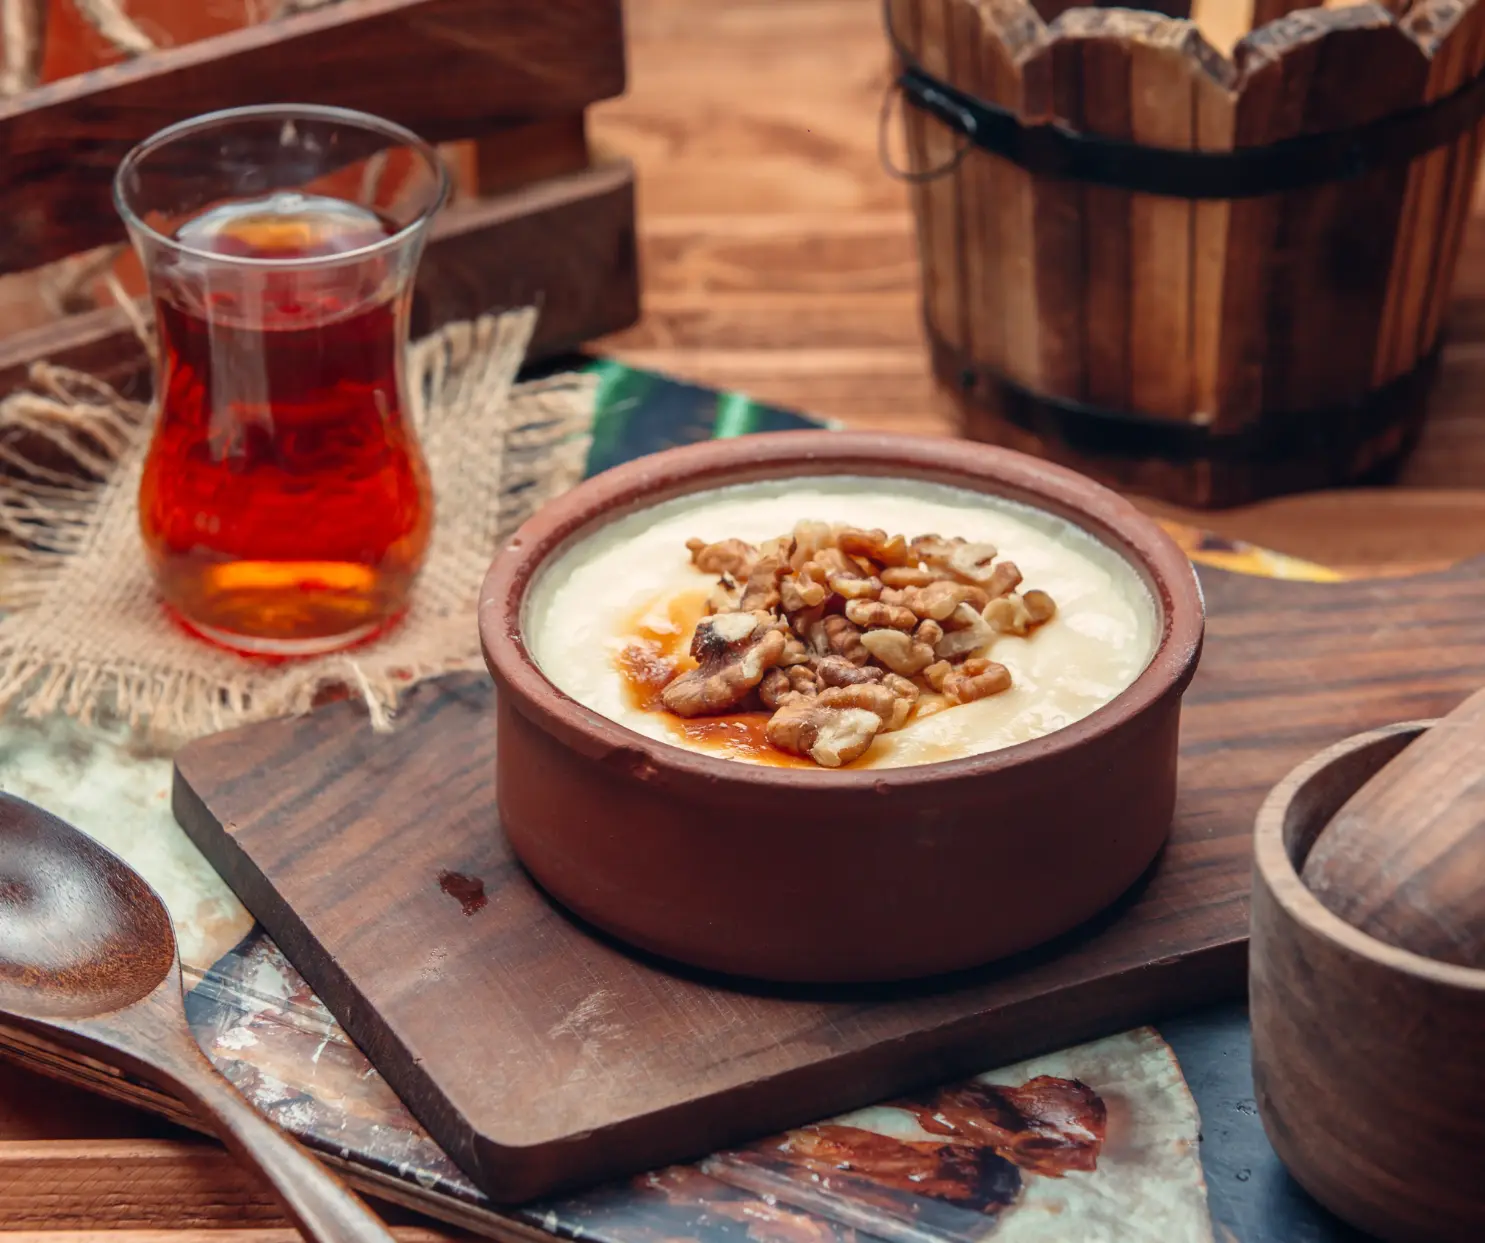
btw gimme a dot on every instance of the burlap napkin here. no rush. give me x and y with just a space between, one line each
86 634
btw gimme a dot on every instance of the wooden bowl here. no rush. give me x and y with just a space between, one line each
818 875
1366 1058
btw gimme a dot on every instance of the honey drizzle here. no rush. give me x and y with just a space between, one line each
658 648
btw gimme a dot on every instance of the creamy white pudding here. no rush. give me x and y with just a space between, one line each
606 614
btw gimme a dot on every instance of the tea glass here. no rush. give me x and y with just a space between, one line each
285 505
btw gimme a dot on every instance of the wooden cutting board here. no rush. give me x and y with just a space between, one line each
542 1056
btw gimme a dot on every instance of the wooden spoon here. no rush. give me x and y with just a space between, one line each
1404 858
87 952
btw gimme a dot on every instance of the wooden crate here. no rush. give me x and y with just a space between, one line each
1207 275
541 220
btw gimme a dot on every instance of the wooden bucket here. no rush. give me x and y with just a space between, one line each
1210 276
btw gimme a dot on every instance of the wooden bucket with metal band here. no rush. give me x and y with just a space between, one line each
1207 275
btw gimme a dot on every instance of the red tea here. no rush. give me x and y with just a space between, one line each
285 505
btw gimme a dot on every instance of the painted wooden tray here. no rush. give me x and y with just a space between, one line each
541 1056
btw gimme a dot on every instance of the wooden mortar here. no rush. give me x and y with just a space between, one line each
1366 1057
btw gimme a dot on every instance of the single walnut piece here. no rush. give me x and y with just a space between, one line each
762 590
733 651
987 678
906 693
780 685
775 690
910 576
872 696
795 652
798 592
900 652
970 633
809 538
842 638
851 587
873 613
831 736
1019 615
1039 606
971 562
937 673
929 632
729 556
1007 578
838 671
875 545
803 679
938 600
933 549
831 561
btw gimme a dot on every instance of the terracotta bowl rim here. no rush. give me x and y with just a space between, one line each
660 477
1282 879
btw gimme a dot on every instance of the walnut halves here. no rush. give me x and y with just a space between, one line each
842 632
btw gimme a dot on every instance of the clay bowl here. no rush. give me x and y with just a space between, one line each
832 876
1366 1058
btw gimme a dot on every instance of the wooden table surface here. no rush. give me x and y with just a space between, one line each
778 259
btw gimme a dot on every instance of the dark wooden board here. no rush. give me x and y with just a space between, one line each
445 68
540 1056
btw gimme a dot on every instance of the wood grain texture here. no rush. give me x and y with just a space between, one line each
1365 1057
1052 90
565 245
576 1037
445 68
1334 241
121 1184
1445 31
1404 858
1162 109
88 957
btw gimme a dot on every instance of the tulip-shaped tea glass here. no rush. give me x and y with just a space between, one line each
285 505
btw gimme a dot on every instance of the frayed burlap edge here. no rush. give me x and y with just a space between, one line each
87 636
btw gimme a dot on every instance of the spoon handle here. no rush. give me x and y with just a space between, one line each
323 1207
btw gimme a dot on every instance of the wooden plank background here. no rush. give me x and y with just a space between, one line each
778 259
